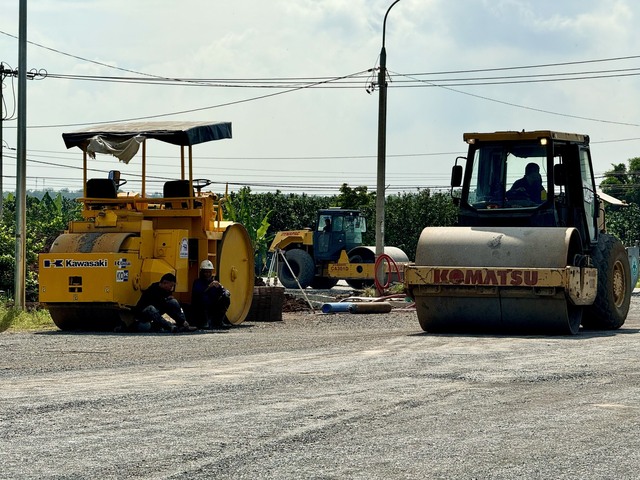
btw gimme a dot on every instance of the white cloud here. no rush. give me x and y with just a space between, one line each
304 38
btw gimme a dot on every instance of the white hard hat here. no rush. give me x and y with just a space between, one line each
206 265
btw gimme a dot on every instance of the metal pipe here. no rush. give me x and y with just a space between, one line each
84 173
191 174
144 168
182 162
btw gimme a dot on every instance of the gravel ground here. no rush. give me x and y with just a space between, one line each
321 397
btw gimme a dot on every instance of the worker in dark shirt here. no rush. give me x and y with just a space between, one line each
209 300
528 187
156 301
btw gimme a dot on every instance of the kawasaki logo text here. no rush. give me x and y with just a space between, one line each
86 263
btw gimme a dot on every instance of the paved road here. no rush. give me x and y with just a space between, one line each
323 397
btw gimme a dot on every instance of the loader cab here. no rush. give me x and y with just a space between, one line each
539 178
337 230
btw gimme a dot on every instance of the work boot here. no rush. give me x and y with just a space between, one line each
216 326
140 326
185 327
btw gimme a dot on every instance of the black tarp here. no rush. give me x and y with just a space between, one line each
176 133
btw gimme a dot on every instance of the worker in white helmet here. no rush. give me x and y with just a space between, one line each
209 300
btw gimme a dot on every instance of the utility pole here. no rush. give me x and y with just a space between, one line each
21 164
20 273
1 140
382 145
2 75
382 141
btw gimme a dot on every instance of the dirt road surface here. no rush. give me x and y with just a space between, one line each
321 397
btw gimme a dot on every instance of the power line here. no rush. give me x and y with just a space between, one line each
534 109
329 81
322 79
199 109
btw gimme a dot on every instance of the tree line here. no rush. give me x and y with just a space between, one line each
264 214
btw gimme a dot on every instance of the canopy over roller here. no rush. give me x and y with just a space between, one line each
122 139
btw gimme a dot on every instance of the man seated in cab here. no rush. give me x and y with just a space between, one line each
528 187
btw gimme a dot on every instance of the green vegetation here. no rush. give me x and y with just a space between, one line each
46 219
623 183
239 209
24 320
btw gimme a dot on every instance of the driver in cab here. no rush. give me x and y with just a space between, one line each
528 187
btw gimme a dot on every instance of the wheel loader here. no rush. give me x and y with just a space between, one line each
332 251
529 252
95 271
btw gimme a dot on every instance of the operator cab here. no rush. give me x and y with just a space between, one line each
336 230
539 178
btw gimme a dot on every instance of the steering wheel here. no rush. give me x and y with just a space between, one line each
200 183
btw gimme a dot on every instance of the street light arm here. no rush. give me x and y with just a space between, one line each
384 22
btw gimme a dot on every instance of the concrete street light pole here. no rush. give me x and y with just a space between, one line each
382 141
21 163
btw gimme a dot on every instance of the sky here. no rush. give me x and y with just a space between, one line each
294 77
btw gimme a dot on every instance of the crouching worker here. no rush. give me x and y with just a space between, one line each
209 300
155 303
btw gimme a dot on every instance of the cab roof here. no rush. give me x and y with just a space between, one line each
531 135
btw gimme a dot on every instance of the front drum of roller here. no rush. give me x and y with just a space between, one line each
236 271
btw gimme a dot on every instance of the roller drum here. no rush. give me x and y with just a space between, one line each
495 308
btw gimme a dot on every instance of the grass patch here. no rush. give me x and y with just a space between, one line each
24 320
394 289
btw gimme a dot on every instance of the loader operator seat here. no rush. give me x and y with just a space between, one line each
177 188
101 188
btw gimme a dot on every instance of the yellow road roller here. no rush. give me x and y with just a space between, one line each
95 271
529 253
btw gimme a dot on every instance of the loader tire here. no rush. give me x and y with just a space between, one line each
610 309
302 266
323 283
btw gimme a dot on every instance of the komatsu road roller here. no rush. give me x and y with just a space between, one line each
529 252
95 271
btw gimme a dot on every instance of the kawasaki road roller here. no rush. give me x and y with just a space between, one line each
529 252
96 271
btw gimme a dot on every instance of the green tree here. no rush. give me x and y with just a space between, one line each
359 198
623 182
624 223
240 208
46 219
407 214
